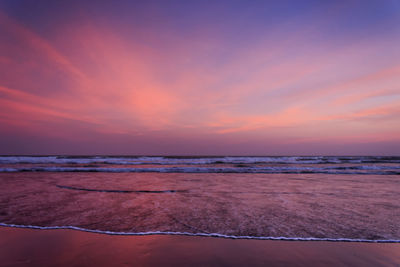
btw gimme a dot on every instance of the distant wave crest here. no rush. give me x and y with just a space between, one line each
316 164
169 160
363 169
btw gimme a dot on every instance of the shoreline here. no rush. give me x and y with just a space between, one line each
66 247
214 235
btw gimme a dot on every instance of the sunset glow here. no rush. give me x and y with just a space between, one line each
173 77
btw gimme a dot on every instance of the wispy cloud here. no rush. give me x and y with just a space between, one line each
290 82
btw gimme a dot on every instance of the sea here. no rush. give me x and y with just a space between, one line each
327 198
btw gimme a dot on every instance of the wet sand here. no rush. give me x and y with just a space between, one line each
27 247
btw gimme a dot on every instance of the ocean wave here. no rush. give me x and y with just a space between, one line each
364 169
282 238
175 160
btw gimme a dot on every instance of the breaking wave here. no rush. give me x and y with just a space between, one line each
362 169
187 160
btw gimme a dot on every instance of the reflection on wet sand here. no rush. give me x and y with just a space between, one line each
27 247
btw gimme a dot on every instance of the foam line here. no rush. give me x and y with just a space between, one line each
134 160
288 170
121 191
282 238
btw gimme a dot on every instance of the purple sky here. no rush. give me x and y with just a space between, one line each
200 77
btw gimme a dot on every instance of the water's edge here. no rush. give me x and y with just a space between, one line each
281 238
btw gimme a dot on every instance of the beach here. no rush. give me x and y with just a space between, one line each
191 211
296 198
28 247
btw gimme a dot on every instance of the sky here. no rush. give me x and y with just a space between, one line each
200 77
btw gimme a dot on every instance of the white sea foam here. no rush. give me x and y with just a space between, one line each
228 164
131 160
363 169
283 238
